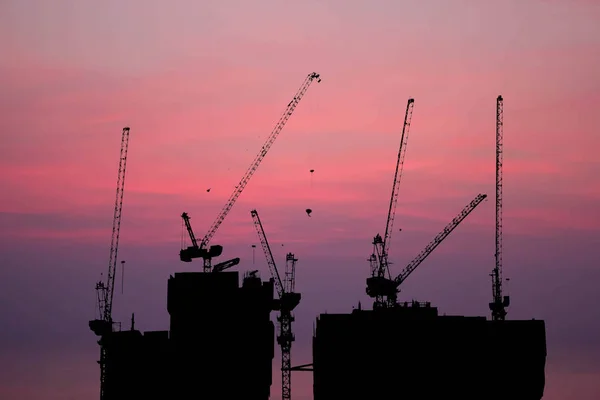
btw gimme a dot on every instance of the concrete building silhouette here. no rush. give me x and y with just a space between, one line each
411 352
220 344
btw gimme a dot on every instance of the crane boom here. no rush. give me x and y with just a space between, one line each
438 239
385 290
259 157
397 177
379 263
196 251
105 291
222 266
268 254
116 228
499 303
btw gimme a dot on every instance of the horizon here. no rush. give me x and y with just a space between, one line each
201 85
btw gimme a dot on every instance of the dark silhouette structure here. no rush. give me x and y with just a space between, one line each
202 249
411 352
103 325
499 301
222 336
384 288
380 286
137 365
220 344
288 299
216 327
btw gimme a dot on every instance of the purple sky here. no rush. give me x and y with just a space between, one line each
201 85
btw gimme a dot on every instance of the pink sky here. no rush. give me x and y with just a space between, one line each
201 84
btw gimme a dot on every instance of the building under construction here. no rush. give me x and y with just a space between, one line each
411 352
220 344
221 340
408 351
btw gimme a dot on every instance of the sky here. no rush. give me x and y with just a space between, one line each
202 84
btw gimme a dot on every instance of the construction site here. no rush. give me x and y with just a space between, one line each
225 324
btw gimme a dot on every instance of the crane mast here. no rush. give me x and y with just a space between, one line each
196 251
289 284
390 288
287 302
105 291
379 258
285 319
499 304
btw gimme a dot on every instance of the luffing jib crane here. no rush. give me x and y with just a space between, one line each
378 287
105 291
288 300
214 251
500 303
201 250
379 258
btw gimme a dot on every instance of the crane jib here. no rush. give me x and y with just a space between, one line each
262 153
116 228
439 239
105 291
384 243
398 175
268 254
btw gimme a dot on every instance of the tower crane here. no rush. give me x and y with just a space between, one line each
196 251
216 250
288 300
499 304
379 263
387 288
105 291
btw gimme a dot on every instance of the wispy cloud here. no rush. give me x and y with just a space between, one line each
202 86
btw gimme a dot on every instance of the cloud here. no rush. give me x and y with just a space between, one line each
198 119
36 226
